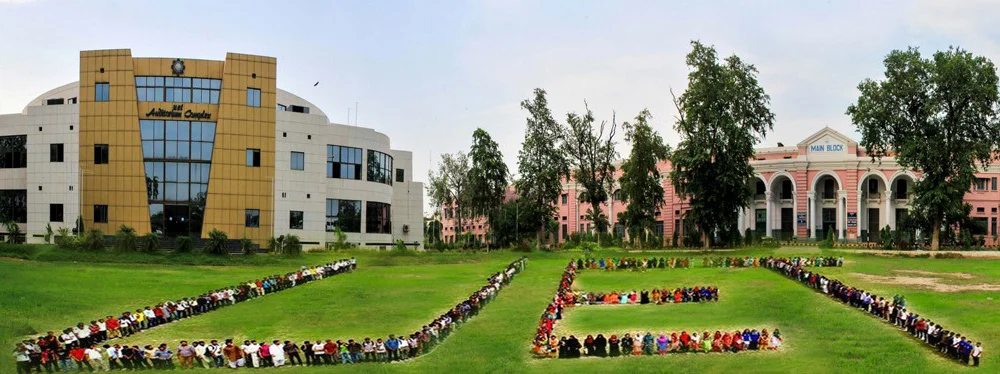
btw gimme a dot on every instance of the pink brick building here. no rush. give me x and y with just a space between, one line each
825 182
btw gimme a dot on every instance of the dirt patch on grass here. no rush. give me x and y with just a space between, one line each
932 283
965 254
935 274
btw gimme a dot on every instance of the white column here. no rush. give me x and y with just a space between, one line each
888 209
769 218
795 215
811 219
741 221
841 214
858 228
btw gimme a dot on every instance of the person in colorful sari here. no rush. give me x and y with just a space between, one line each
647 344
706 342
661 344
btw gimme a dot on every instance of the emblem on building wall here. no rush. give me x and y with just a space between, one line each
177 66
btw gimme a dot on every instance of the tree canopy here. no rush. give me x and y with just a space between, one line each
641 187
488 176
541 162
723 114
936 115
591 153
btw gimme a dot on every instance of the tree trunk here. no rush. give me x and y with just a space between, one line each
704 240
936 235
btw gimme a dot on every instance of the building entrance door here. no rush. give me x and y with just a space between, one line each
829 222
874 227
787 224
176 220
760 222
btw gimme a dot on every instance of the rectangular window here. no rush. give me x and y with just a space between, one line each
565 198
298 161
342 214
901 192
253 157
828 190
178 89
56 101
982 184
55 212
378 218
101 91
295 220
14 206
399 175
13 152
298 109
980 210
100 154
565 231
379 167
993 226
252 217
343 162
56 152
253 97
100 214
979 226
282 108
993 183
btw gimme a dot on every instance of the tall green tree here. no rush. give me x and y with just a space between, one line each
488 177
541 162
936 115
449 187
640 182
723 114
591 153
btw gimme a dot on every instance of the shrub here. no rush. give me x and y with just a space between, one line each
22 251
217 243
48 233
274 244
828 242
246 246
524 246
886 236
673 240
291 246
126 239
13 232
93 240
151 242
184 244
341 242
770 242
747 237
948 255
64 239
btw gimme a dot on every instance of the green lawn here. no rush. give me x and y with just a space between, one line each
396 294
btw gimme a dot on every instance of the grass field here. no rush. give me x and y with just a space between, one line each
396 294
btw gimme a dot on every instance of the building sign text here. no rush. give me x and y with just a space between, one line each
177 112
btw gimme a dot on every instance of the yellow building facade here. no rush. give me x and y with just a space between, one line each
128 110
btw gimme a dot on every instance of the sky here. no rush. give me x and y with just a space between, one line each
428 73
